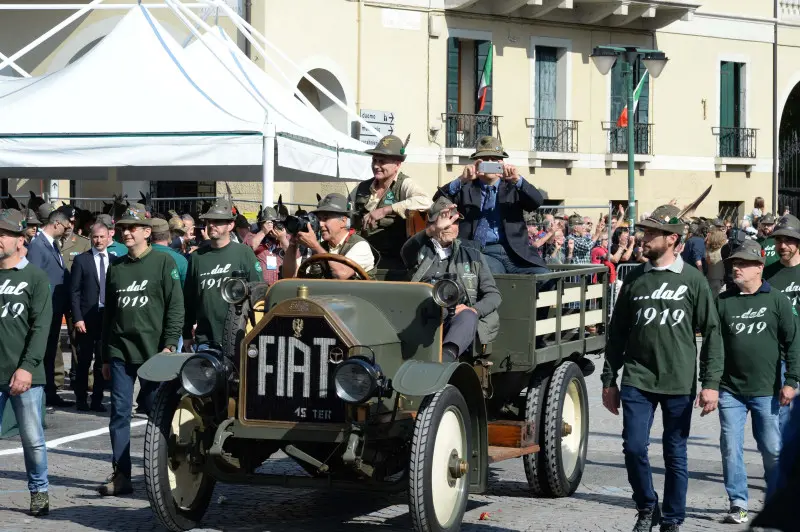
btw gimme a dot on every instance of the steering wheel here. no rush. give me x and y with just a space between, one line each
303 273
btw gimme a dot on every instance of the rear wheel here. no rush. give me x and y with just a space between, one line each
177 487
534 463
566 430
439 465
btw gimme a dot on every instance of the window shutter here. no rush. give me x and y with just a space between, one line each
619 98
727 109
452 74
546 82
643 110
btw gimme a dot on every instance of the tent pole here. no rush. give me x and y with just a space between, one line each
268 167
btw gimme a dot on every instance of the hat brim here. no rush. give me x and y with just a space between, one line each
221 217
787 233
333 211
375 151
479 154
11 229
675 229
747 257
143 223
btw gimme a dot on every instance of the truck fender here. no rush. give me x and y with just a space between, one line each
416 378
163 367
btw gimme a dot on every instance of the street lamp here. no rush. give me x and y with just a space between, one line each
604 58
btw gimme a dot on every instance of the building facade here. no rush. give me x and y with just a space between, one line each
717 115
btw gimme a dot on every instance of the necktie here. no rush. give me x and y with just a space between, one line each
483 229
102 279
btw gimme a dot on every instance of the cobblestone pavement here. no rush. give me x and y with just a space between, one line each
602 503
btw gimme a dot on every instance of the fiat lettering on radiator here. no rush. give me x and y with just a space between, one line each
293 357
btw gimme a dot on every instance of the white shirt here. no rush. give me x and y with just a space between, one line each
53 243
360 253
96 254
443 252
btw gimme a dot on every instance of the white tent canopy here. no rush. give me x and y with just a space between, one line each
140 103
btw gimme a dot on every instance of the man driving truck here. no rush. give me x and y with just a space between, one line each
332 216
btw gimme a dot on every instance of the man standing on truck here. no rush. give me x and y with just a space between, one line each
380 205
493 207
652 337
436 251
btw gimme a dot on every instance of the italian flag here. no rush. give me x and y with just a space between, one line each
486 78
622 121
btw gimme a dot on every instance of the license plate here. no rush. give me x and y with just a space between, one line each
289 372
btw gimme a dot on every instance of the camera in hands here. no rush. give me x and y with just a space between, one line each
299 224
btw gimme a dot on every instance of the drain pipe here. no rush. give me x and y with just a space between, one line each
776 125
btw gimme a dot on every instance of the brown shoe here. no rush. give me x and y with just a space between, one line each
117 484
40 503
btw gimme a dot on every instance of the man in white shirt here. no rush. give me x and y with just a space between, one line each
87 297
337 238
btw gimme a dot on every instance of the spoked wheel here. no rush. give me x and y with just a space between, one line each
178 489
534 406
439 467
566 430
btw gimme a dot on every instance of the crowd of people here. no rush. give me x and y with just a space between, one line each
143 283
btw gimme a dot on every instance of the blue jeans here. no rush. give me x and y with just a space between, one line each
783 416
732 417
638 411
28 411
123 377
790 450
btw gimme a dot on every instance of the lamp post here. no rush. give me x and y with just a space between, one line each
604 58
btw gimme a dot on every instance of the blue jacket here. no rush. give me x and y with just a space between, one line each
42 254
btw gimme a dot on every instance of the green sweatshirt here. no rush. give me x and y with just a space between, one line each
786 279
756 330
26 310
768 245
144 307
180 260
208 269
652 332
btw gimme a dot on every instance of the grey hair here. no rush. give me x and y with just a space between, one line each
98 224
347 222
187 217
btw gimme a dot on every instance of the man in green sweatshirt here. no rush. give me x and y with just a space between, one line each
784 275
25 314
759 324
209 267
766 225
143 315
652 337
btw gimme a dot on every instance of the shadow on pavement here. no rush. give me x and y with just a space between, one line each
693 440
704 476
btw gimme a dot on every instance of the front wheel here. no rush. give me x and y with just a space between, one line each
439 465
177 487
565 430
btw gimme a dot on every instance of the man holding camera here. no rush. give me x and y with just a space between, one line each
437 253
380 205
493 198
269 243
337 238
209 267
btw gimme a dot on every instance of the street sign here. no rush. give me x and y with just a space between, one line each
377 117
370 141
383 129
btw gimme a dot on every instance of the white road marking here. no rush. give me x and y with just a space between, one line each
74 437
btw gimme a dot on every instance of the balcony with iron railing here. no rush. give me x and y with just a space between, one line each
553 139
618 144
462 132
736 147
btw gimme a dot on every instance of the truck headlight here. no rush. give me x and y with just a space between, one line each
202 374
235 290
356 380
448 293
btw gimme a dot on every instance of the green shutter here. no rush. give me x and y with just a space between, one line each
546 81
727 95
619 98
453 55
643 110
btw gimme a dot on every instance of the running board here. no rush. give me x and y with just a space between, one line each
498 454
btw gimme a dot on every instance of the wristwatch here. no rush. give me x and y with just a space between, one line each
171 348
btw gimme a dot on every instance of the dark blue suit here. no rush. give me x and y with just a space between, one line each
84 299
42 254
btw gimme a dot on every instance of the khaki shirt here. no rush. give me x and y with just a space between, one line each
414 199
72 246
